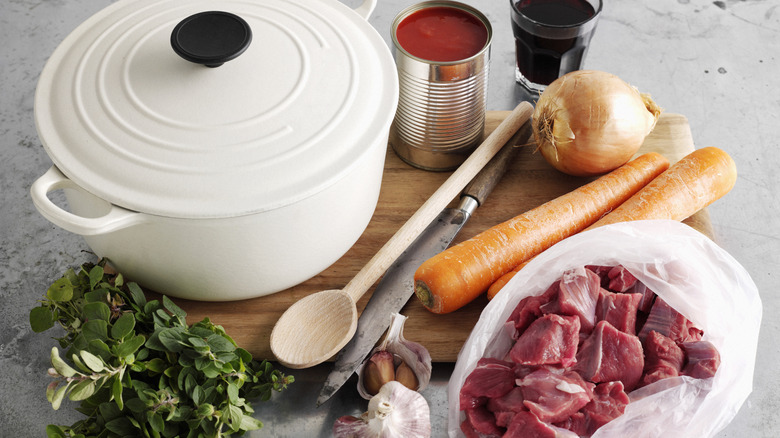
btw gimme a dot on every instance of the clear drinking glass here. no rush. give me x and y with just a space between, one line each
551 38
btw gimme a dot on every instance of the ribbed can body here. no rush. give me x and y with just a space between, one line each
441 110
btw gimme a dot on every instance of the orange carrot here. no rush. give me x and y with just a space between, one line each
504 279
454 277
694 182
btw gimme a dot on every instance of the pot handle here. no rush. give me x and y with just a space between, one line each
114 219
365 9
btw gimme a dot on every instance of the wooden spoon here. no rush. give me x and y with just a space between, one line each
316 327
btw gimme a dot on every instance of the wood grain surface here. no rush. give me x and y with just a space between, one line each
529 182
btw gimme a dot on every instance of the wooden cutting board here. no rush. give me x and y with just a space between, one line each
529 182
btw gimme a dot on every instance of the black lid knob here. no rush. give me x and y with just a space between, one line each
211 38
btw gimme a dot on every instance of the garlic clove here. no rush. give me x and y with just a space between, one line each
405 376
379 370
395 412
413 354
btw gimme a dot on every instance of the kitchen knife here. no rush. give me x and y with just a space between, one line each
397 285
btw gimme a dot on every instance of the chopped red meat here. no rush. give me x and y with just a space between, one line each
620 280
648 296
619 309
528 309
602 272
553 397
669 322
703 359
576 356
490 378
609 402
577 423
663 358
578 294
470 432
549 340
512 401
483 422
467 401
526 425
609 354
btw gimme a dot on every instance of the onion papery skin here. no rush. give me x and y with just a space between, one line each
589 122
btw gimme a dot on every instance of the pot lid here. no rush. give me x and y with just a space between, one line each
296 93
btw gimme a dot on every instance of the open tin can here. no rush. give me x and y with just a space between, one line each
443 78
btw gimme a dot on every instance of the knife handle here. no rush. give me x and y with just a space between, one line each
480 187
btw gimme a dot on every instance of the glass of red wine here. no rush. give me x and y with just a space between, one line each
551 38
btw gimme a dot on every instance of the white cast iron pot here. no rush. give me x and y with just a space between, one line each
217 183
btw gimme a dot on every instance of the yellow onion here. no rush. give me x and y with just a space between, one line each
590 122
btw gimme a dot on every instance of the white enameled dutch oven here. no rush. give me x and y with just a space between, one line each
217 156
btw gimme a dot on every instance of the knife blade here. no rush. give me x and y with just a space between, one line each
397 285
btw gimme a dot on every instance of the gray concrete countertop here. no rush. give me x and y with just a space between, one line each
716 62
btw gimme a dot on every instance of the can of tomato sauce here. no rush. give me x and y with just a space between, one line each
442 52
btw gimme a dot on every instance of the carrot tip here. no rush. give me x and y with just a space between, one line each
425 295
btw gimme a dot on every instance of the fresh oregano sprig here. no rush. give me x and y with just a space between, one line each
138 369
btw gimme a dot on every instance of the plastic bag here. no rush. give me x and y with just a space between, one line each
693 275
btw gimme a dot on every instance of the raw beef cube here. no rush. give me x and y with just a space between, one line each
602 272
551 339
512 401
609 354
553 397
669 322
663 358
526 425
577 296
490 378
470 432
703 359
506 406
648 296
467 401
528 309
619 310
620 280
483 422
577 423
609 402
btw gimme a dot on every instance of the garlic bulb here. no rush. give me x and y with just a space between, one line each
395 412
395 359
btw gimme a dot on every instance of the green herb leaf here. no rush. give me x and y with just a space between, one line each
93 362
250 423
95 329
53 431
41 319
59 365
95 276
60 291
136 294
82 390
219 344
172 339
58 396
156 421
130 346
122 426
116 392
174 309
123 326
97 310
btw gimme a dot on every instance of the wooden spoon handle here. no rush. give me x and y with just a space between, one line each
451 188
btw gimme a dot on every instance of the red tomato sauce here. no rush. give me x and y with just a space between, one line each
442 34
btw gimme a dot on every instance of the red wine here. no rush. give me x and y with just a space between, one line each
551 37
